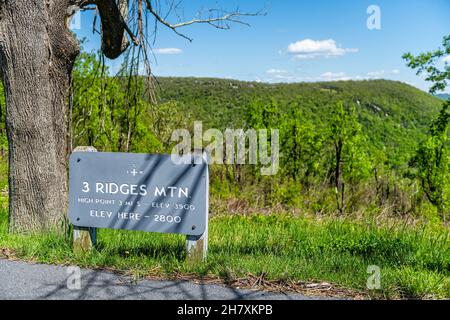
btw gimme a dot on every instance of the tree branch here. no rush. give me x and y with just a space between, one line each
113 25
219 22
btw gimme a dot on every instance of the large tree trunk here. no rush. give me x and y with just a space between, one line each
37 53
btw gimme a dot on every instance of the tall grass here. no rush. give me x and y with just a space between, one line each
414 260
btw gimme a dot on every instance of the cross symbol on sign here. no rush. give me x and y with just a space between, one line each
133 172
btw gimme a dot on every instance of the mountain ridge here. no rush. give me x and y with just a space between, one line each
395 115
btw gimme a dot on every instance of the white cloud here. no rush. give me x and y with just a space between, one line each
167 51
446 58
311 49
275 71
325 77
333 76
277 76
284 77
376 74
381 73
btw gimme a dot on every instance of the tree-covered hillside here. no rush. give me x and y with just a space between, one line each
344 146
394 115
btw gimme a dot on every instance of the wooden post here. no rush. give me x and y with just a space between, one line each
84 238
197 246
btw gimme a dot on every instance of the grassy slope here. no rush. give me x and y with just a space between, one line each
414 261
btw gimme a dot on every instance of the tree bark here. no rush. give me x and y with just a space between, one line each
37 53
113 17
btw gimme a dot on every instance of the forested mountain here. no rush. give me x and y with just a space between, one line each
394 115
378 124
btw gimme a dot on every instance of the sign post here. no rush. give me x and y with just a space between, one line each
84 238
144 192
197 246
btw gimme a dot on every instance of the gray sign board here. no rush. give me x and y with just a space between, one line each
138 192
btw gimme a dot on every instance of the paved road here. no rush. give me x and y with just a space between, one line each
21 280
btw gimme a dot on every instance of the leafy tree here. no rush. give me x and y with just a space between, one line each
432 157
111 113
426 63
350 163
87 103
302 144
432 161
263 115
166 117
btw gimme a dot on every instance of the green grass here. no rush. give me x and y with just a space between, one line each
414 260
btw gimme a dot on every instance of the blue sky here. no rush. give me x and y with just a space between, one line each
299 41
